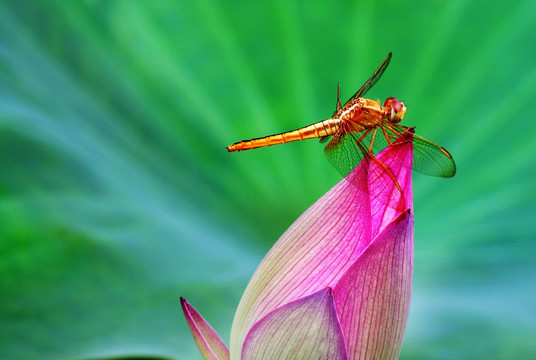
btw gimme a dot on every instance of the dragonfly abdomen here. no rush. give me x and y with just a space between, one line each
320 129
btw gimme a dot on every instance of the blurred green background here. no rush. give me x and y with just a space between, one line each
117 195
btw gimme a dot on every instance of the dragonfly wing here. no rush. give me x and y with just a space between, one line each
373 80
428 157
344 152
432 159
338 105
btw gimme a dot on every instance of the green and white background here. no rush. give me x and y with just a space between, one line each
117 195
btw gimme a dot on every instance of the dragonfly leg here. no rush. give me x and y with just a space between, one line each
372 138
363 136
371 157
386 135
389 172
395 130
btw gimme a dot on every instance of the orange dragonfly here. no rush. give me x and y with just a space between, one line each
354 128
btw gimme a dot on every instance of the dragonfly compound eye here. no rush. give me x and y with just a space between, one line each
397 105
395 109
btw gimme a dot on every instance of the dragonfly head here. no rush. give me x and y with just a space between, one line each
394 109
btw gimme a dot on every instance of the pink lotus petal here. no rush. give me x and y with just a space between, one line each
373 297
304 329
326 241
208 342
386 201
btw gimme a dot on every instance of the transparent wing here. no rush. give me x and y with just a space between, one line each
344 152
372 81
432 159
428 157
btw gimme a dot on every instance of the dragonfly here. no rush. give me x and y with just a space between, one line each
360 129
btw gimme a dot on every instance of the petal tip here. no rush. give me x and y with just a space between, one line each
209 343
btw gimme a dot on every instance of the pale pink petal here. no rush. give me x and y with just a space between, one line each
320 247
304 329
208 342
372 299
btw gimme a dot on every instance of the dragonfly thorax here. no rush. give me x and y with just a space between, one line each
394 109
